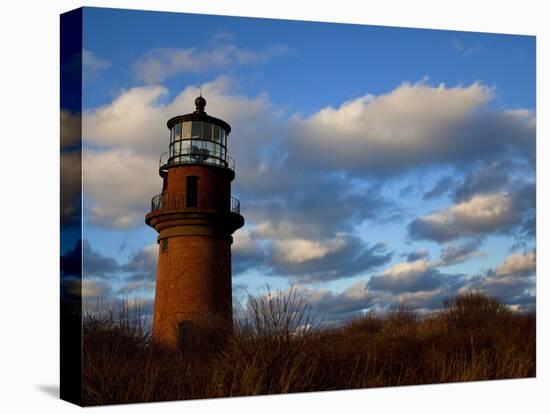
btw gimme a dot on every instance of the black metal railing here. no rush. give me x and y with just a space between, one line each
235 206
209 158
172 201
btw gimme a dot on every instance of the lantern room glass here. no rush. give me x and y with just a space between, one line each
198 142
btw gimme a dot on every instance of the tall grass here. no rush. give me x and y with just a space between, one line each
276 347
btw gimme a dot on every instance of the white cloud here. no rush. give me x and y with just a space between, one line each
302 250
484 210
92 64
407 269
158 64
512 282
118 186
418 275
519 264
134 121
482 213
244 243
413 125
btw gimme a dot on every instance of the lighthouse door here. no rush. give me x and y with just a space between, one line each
192 191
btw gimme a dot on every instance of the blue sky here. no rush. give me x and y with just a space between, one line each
375 165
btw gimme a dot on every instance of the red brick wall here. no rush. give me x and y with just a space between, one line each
214 184
193 280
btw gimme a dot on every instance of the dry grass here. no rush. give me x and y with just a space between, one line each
277 348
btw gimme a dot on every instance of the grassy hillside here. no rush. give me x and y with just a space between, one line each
276 347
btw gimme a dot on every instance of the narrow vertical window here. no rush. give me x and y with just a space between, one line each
164 246
186 130
196 129
207 130
192 193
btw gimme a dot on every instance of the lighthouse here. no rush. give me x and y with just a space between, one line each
195 217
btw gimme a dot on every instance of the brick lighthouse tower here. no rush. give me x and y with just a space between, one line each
195 216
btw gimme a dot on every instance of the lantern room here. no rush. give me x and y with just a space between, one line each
197 138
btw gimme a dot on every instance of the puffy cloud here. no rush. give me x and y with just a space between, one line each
309 260
158 64
411 126
495 197
246 252
133 121
512 282
117 186
302 250
243 242
92 64
481 214
419 275
418 284
517 265
344 257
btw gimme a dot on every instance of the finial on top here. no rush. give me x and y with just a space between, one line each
200 103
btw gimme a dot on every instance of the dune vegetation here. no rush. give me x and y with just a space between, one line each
277 347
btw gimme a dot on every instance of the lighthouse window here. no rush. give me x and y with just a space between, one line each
185 146
209 146
186 130
164 246
176 148
177 131
216 134
196 129
192 191
207 131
